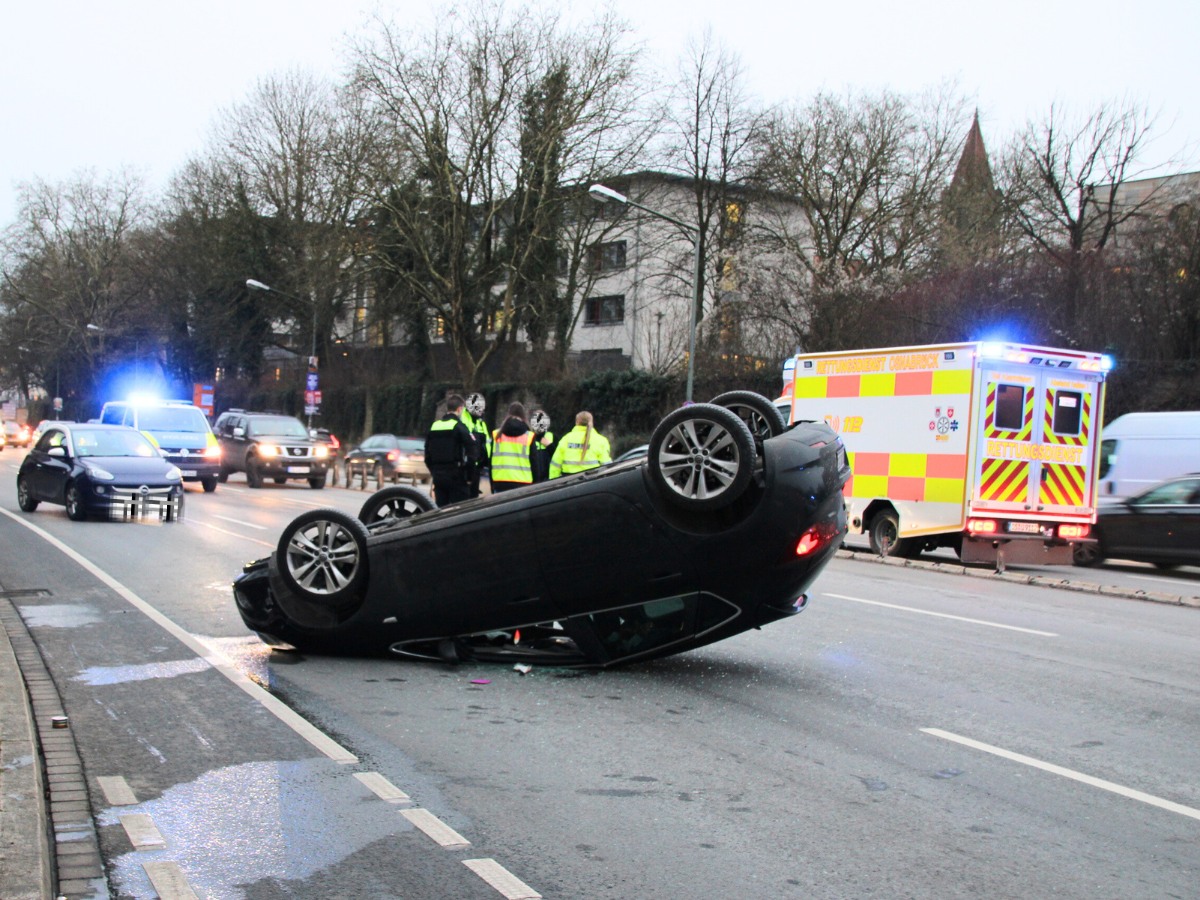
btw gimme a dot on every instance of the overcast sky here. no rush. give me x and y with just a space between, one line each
101 85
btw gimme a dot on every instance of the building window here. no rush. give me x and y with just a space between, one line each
607 256
605 310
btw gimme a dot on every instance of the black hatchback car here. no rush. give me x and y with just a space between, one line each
719 529
1159 526
107 471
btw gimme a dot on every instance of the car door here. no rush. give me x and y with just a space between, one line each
1162 524
48 472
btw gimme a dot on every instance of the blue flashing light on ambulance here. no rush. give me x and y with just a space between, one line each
989 448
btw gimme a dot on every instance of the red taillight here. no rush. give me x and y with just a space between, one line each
393 455
1073 532
334 442
982 526
809 541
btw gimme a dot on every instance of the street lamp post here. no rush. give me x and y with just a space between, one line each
604 194
255 285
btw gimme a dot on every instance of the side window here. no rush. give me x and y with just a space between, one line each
113 414
52 438
1068 408
1010 407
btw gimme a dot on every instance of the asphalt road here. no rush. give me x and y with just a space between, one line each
911 734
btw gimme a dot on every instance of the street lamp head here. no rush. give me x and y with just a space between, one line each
94 329
604 194
256 285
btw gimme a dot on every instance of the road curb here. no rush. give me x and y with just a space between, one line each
1062 584
59 852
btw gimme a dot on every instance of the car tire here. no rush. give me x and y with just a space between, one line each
317 481
74 503
1087 555
25 495
253 476
209 484
278 479
394 503
884 535
759 413
322 557
701 457
223 476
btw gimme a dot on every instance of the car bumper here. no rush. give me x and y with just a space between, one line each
127 504
292 468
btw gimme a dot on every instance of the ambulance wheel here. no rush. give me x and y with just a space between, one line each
760 414
1087 555
701 457
884 533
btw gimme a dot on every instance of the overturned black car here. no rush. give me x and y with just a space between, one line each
720 528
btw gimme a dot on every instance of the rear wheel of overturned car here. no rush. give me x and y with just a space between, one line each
759 413
702 457
322 557
74 503
394 503
24 495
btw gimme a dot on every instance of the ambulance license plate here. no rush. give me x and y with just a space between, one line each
1025 527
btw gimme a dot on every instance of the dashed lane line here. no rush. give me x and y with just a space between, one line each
142 832
926 612
241 522
435 828
168 881
117 791
382 788
1110 786
506 883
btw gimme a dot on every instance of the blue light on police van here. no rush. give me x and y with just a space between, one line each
1107 363
993 350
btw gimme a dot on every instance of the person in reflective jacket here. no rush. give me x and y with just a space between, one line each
512 445
450 455
580 449
472 416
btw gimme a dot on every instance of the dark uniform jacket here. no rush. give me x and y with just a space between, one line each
449 447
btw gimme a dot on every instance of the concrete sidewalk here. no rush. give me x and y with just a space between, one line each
48 845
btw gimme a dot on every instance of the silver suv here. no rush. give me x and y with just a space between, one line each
270 445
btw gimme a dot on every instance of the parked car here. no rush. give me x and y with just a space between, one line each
270 445
633 453
387 457
179 428
108 471
717 530
15 434
1159 526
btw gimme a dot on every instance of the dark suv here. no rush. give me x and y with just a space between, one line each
269 445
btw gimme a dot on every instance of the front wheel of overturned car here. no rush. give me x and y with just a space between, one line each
25 495
322 557
759 413
394 503
702 457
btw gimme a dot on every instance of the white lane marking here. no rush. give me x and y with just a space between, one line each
214 657
142 833
925 612
1132 794
228 532
168 881
1174 582
241 522
504 881
382 788
442 833
116 790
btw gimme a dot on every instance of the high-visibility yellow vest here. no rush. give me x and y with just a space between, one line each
510 458
571 457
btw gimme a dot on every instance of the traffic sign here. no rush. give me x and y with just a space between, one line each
311 382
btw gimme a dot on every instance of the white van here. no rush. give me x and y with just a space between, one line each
1138 450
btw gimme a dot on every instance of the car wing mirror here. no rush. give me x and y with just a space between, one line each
239 432
57 452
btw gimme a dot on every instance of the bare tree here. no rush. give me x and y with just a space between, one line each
488 116
1063 177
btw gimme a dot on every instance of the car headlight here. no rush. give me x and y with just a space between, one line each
268 449
99 474
173 474
320 451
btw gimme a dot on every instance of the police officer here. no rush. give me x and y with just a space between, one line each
580 449
543 445
472 417
512 447
451 453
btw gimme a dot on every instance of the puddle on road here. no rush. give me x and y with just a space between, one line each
59 615
98 675
285 821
